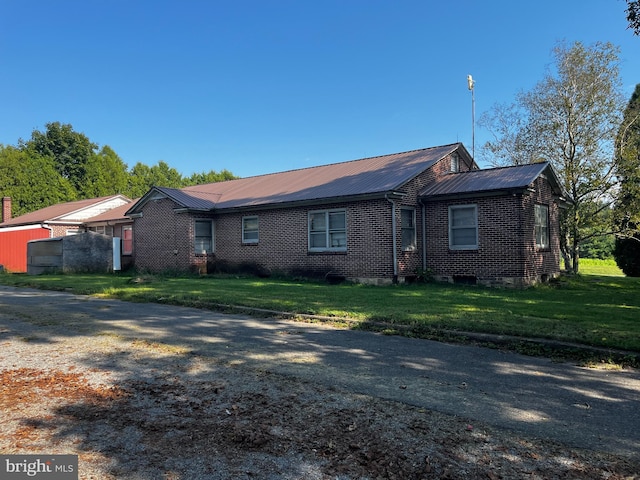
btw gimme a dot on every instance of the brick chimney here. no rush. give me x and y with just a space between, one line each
6 209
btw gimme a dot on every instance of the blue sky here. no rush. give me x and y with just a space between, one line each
264 86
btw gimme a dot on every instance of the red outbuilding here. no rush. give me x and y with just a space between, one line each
54 221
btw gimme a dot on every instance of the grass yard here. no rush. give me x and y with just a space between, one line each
600 307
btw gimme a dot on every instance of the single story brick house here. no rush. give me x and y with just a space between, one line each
374 220
54 221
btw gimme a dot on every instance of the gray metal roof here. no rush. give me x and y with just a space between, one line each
494 179
375 175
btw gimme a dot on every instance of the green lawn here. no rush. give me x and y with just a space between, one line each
600 307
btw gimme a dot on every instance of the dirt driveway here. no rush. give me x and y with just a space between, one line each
150 391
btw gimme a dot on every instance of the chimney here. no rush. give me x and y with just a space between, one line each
6 209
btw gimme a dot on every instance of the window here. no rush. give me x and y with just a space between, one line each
328 231
408 227
102 229
542 226
463 227
204 236
455 163
127 240
250 230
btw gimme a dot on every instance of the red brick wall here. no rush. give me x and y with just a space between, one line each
540 263
507 250
162 239
283 242
410 261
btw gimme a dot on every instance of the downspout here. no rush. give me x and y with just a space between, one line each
394 239
424 236
47 227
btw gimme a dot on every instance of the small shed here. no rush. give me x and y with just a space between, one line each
85 252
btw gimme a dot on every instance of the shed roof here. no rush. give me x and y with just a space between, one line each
69 212
367 176
491 180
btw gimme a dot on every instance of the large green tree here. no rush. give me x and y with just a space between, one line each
143 177
570 119
77 169
208 177
106 174
31 181
627 206
70 151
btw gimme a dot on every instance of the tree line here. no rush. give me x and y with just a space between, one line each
60 165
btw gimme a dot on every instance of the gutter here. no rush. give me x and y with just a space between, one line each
424 236
297 203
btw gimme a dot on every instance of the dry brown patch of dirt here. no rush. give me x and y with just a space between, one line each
254 424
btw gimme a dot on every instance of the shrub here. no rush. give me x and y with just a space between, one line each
627 255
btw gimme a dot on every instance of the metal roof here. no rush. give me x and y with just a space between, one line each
74 211
114 215
493 179
367 176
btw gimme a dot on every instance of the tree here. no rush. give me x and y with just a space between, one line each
71 151
31 181
209 177
106 174
143 177
627 206
569 118
633 15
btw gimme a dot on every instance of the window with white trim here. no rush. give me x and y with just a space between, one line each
463 227
250 232
408 228
328 231
203 238
542 225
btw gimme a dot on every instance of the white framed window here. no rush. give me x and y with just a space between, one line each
542 225
328 231
408 228
250 232
463 227
203 238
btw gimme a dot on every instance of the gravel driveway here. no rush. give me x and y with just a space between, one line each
269 398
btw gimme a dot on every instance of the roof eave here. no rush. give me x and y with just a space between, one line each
134 211
476 194
104 200
392 194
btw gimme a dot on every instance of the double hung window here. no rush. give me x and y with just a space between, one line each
408 227
463 227
542 226
203 240
328 231
250 232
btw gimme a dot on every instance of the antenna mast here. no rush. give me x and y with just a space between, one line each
471 83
